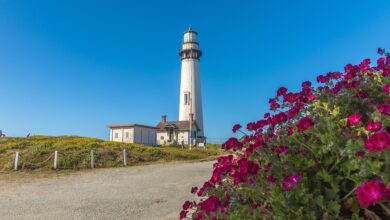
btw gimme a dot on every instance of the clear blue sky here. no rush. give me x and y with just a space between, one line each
72 67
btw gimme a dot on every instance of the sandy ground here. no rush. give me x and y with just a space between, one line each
141 192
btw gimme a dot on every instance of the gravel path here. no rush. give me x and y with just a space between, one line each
142 192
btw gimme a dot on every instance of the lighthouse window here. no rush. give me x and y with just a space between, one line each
186 98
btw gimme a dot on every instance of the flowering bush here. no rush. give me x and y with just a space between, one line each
323 154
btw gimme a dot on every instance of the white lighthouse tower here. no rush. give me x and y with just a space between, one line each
190 92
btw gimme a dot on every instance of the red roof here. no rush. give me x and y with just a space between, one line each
130 126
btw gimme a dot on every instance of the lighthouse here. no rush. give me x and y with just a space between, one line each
190 92
189 128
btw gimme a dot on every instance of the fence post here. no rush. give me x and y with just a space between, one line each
16 160
124 157
92 159
55 159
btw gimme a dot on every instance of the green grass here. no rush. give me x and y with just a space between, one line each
74 152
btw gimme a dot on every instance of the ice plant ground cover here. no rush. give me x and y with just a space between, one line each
322 154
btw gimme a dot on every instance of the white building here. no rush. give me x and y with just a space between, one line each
189 127
176 132
133 133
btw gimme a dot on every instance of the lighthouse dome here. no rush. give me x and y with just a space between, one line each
190 36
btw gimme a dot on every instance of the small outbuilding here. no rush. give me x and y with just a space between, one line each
177 132
133 133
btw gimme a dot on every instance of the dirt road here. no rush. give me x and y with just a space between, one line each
141 192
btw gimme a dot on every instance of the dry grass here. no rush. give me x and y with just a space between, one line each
74 152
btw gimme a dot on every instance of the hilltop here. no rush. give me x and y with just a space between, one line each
74 152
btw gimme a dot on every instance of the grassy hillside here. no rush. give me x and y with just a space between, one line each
74 152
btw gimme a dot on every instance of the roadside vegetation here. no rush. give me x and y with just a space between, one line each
36 152
321 153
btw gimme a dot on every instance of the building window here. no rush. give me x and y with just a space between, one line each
162 137
116 135
186 98
127 134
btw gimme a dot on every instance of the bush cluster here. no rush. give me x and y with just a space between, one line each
322 154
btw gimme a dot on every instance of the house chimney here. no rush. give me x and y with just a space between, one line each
164 119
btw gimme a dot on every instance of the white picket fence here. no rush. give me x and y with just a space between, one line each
56 154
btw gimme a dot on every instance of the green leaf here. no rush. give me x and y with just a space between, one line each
325 176
334 207
310 163
335 111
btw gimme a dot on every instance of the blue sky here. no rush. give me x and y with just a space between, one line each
73 67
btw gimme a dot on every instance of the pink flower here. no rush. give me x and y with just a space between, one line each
271 179
290 97
291 180
274 105
290 131
381 51
371 192
362 94
227 198
384 109
205 186
257 204
373 126
334 75
198 215
354 119
194 189
304 123
243 171
306 84
311 97
380 63
183 214
339 85
322 79
251 126
353 84
268 166
280 150
248 166
350 71
281 91
187 204
236 127
360 154
378 141
365 65
386 88
211 204
232 143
